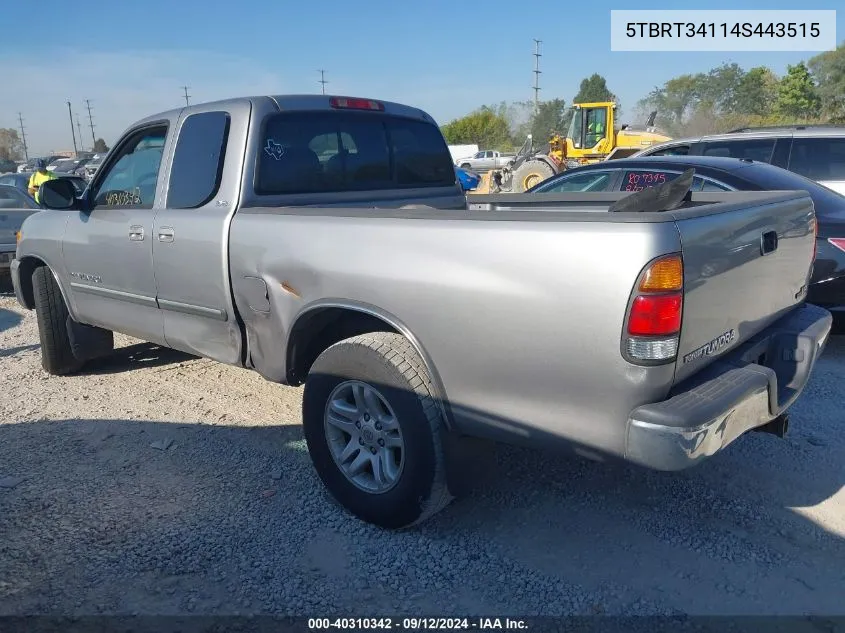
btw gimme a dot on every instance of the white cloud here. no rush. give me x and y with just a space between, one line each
122 87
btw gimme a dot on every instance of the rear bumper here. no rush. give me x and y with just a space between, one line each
733 395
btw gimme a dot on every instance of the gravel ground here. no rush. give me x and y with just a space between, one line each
163 484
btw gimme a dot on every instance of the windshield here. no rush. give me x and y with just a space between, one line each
575 127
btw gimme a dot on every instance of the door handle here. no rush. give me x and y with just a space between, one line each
769 242
136 233
165 234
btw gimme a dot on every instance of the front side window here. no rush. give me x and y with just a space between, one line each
589 181
674 150
596 126
130 181
329 152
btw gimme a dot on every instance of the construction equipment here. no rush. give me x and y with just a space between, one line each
592 137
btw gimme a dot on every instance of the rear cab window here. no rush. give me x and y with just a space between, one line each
337 151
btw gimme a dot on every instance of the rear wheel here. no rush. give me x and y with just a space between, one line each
375 432
531 173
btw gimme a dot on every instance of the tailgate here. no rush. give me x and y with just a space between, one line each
743 268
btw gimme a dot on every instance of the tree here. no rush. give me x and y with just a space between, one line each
798 96
100 146
550 117
828 68
11 147
718 87
674 102
485 127
594 88
756 92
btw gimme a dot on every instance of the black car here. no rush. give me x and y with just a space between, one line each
827 287
21 181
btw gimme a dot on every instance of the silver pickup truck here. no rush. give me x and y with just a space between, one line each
325 240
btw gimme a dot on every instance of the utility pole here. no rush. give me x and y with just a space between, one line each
323 81
79 129
23 137
537 71
72 131
187 96
91 123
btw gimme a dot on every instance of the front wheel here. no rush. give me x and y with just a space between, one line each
531 173
51 313
375 432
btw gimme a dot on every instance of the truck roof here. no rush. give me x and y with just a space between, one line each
290 103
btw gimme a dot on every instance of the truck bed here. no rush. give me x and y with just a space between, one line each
541 284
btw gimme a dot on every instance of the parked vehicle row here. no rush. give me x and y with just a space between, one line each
15 207
327 241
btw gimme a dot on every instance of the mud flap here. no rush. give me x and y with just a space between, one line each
88 342
470 462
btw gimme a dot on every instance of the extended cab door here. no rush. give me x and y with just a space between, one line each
107 247
191 233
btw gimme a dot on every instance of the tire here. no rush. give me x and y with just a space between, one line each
56 351
387 365
533 171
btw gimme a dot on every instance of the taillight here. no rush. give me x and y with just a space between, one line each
654 317
838 242
352 103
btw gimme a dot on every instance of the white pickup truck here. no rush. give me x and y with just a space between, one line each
485 161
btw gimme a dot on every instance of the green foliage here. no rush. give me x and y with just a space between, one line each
487 127
756 92
11 146
551 117
594 88
100 146
828 69
797 94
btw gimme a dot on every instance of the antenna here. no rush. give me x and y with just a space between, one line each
323 81
72 131
91 123
23 137
537 72
187 96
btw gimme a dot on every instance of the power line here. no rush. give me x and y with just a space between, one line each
91 123
23 137
537 72
72 131
323 81
187 96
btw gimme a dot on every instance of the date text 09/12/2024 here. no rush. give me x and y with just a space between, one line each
684 30
417 624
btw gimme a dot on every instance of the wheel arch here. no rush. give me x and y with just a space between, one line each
27 267
320 325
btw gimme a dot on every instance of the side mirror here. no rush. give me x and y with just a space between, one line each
59 194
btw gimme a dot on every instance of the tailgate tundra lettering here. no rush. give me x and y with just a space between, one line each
712 347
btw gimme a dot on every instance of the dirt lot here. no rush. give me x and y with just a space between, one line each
158 483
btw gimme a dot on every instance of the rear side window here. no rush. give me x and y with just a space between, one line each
759 149
639 179
325 152
198 160
818 158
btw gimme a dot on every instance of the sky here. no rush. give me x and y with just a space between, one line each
131 59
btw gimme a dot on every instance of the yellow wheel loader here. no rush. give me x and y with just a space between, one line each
592 137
